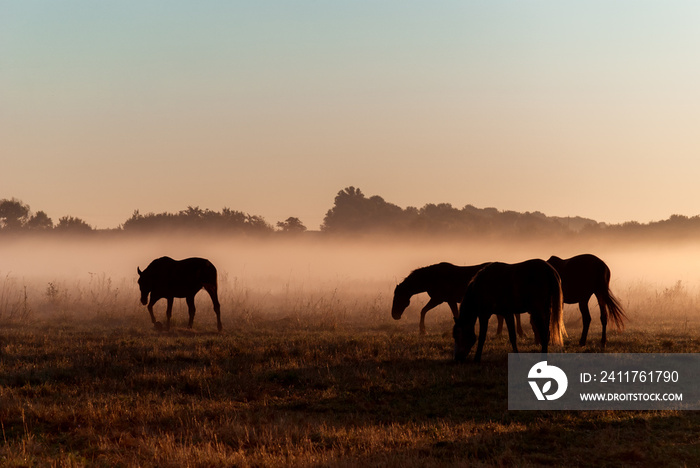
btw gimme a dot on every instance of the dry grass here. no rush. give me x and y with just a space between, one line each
303 378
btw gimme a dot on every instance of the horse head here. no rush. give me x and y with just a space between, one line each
144 286
401 301
464 340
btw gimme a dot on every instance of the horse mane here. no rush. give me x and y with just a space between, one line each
418 275
426 269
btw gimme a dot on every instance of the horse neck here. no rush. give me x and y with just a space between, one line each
413 284
467 317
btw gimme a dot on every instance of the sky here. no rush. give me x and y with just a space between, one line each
572 108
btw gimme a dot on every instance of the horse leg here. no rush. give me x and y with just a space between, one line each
519 328
190 309
150 311
521 333
214 300
431 304
541 323
455 310
169 313
535 330
499 330
483 328
510 323
586 318
603 321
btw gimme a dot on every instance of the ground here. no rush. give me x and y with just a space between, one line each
306 391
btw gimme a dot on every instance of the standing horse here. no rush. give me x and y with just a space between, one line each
532 286
444 282
167 278
581 277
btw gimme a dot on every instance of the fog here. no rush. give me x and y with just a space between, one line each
277 275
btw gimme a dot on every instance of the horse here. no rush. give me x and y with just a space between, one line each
444 282
581 277
508 289
165 278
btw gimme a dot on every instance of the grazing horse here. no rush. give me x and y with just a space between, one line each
444 282
168 278
508 289
581 277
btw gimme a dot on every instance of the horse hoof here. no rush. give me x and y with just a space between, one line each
158 326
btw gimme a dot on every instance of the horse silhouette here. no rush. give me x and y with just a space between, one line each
444 282
583 276
508 289
165 278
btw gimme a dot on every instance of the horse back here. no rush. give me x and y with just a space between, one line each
581 276
450 281
516 288
199 269
181 278
536 282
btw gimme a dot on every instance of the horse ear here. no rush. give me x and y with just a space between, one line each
139 270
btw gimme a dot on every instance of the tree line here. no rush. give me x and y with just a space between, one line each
16 216
353 213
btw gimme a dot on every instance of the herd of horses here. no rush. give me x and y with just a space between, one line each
507 290
473 293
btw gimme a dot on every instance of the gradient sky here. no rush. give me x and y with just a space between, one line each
587 108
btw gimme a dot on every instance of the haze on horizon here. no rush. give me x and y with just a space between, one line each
572 109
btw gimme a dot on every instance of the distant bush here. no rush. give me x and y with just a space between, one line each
194 218
71 224
291 225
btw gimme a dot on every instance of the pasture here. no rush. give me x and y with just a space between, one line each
306 373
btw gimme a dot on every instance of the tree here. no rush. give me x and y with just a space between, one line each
192 212
13 214
71 224
255 223
346 211
40 222
291 225
353 212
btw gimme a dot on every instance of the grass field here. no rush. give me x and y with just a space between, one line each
308 379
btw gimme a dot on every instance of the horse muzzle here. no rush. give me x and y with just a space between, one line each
397 312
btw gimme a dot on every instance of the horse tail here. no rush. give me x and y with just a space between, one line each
213 275
208 276
613 308
557 331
